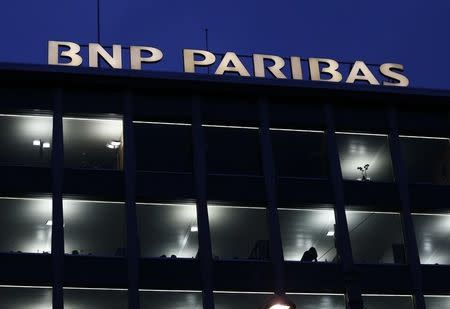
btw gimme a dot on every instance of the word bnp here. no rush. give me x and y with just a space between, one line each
320 69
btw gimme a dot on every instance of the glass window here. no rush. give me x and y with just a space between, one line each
240 300
376 238
95 298
232 300
167 230
93 143
437 301
233 237
319 301
365 157
25 225
26 140
299 153
29 297
433 237
387 302
427 159
163 148
94 228
172 300
232 151
303 229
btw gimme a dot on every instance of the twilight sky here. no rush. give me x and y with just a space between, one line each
412 32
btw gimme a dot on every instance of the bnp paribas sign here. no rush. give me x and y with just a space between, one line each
320 69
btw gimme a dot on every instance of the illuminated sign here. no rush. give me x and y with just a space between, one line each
320 69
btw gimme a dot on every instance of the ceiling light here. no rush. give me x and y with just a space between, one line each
194 228
330 233
113 144
37 142
46 145
278 306
49 223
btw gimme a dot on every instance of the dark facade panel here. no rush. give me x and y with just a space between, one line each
26 269
87 271
172 274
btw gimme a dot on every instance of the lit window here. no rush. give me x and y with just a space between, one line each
365 157
93 143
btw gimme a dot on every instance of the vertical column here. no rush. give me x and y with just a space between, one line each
342 235
276 248
205 251
405 203
130 202
57 201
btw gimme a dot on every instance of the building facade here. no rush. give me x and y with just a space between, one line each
167 190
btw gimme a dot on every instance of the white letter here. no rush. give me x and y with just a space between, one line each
136 58
366 74
331 69
95 50
296 68
386 70
236 65
72 53
275 69
190 62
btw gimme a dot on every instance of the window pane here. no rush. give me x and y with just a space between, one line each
240 300
303 229
387 302
238 232
365 157
427 160
93 143
26 140
376 237
437 302
95 299
171 300
94 228
433 241
25 225
163 148
232 151
25 298
166 230
318 301
299 154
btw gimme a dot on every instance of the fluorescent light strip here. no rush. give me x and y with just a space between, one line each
297 130
425 137
26 286
92 201
26 198
438 296
241 292
228 127
307 209
388 295
430 214
163 123
376 212
313 294
170 291
167 204
25 116
95 289
92 119
361 133
231 206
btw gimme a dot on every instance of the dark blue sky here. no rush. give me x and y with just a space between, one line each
414 33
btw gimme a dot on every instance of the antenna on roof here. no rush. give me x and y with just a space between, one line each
206 42
98 21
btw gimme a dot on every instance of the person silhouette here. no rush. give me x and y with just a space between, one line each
309 255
